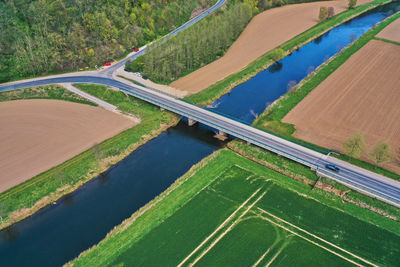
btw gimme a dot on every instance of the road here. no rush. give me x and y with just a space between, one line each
108 72
359 179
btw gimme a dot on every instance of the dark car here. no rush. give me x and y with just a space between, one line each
127 70
332 167
144 77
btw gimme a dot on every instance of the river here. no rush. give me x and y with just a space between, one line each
59 232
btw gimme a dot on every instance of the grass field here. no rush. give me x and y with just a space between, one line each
44 92
229 211
27 198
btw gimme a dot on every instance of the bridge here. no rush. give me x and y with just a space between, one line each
359 179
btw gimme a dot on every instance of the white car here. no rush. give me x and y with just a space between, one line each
138 74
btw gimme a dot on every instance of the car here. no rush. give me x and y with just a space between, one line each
127 70
138 74
144 77
332 167
136 50
80 69
107 64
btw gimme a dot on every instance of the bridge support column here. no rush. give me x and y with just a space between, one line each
162 109
191 122
221 133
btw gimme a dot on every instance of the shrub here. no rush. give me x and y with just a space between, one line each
323 13
352 3
277 54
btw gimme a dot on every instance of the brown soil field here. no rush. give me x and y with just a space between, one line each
361 96
36 135
265 32
391 32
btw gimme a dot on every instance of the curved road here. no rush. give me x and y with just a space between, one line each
354 177
108 72
364 181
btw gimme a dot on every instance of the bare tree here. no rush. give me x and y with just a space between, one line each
381 154
98 151
397 154
331 12
2 212
355 145
61 177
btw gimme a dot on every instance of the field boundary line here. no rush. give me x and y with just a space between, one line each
274 257
262 257
317 237
312 242
227 230
218 228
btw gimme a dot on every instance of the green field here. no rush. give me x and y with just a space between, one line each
26 198
55 92
229 211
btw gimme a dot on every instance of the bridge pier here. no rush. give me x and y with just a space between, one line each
162 109
221 133
191 122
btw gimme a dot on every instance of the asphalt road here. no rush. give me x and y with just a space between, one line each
108 72
364 181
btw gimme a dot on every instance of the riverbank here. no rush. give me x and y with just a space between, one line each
271 118
27 198
142 226
220 88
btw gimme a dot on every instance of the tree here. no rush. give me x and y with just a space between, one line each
398 155
98 151
331 12
277 54
381 154
3 212
352 4
354 146
323 13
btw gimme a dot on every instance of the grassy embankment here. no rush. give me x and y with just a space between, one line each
164 232
220 88
271 119
25 199
44 92
387 41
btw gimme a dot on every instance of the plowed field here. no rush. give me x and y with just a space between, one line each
391 32
363 95
36 135
265 32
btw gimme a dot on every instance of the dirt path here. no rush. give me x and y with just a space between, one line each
391 32
361 96
36 135
265 32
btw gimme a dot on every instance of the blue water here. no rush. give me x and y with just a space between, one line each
251 98
59 232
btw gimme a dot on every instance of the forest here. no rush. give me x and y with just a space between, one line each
51 36
201 44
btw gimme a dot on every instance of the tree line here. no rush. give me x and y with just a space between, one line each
202 43
198 45
46 36
381 153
